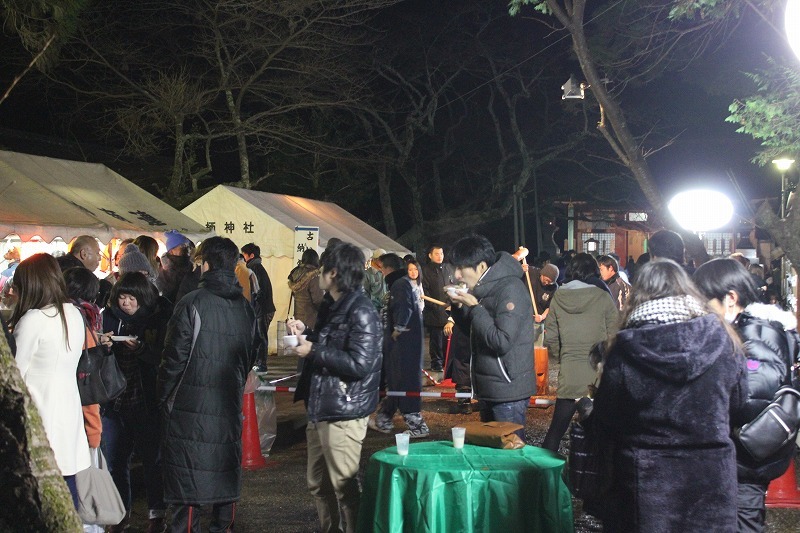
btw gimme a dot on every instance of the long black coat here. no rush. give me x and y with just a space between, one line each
663 406
403 357
201 398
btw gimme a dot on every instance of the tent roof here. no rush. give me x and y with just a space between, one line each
59 198
333 221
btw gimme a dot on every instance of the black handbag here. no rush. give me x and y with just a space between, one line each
775 426
584 461
100 379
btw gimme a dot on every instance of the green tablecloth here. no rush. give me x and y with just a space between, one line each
436 488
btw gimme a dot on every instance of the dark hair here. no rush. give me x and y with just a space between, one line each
581 266
408 258
666 244
251 249
81 284
433 246
471 250
719 276
38 282
393 261
137 285
348 262
220 253
310 257
608 261
414 262
661 279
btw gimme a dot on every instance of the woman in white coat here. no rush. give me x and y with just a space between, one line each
49 333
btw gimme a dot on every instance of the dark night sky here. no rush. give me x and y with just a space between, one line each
692 104
699 98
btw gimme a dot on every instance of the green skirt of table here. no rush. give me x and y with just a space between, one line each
437 488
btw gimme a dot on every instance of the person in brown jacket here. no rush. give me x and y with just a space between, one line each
303 282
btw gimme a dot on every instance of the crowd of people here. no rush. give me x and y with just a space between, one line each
675 359
185 334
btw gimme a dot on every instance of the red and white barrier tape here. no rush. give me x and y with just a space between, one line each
408 394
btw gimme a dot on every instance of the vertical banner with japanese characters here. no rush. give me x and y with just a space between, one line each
304 238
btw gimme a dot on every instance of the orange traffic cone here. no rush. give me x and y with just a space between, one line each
251 442
782 492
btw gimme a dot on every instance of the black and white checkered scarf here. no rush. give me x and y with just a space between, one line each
670 310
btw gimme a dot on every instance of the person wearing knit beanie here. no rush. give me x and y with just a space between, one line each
549 271
175 240
135 261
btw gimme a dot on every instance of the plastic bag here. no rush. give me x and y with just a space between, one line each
267 416
251 383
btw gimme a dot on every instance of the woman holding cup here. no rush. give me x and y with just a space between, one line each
339 384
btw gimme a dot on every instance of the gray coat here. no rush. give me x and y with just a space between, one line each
501 334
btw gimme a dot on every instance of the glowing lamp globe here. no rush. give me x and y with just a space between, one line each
701 210
793 25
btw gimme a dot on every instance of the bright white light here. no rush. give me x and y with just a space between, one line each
793 25
701 210
783 164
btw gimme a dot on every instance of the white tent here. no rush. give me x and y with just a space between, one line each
269 220
59 198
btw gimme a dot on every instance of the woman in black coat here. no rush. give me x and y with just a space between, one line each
670 380
767 348
402 351
130 422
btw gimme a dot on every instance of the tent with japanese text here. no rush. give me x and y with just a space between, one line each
50 198
269 220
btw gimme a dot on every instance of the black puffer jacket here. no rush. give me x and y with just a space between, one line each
768 360
342 373
201 407
501 334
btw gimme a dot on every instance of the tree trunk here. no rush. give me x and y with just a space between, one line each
620 137
33 495
386 202
241 140
175 189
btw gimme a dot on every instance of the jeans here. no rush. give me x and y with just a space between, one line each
127 430
515 411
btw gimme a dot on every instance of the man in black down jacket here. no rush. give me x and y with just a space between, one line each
208 352
435 275
339 383
498 315
266 306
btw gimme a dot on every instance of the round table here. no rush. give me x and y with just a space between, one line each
437 488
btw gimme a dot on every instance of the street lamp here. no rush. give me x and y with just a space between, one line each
783 165
793 25
701 210
591 245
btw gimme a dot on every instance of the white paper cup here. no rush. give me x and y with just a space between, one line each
290 340
302 337
458 437
402 440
